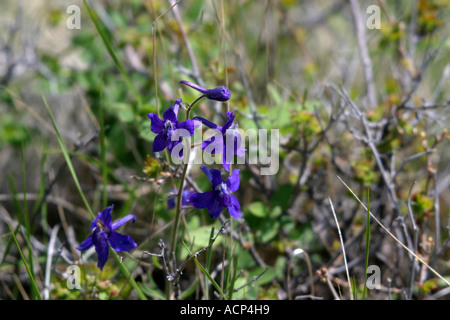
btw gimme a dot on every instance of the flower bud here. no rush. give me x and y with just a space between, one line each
218 94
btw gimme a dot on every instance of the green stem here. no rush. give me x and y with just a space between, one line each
367 245
192 105
180 190
181 186
178 208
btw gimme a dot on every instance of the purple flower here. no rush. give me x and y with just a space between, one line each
169 129
103 236
219 197
227 141
184 199
217 94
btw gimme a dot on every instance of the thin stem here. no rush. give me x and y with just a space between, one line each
181 186
437 220
188 112
179 199
343 249
364 53
416 235
367 245
298 252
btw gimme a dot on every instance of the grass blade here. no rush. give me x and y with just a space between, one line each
127 274
25 203
367 245
25 262
208 261
233 279
206 273
26 219
68 160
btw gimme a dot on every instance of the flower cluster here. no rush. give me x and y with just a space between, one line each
169 132
220 196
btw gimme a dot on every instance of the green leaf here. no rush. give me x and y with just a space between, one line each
275 212
258 209
268 230
153 292
282 196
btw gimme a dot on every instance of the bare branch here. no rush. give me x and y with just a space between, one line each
364 53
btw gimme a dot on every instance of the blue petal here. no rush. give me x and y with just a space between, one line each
157 125
202 200
94 223
170 115
233 180
187 125
180 151
194 86
213 145
234 208
207 172
176 106
234 139
216 178
206 122
100 240
228 124
225 199
120 242
106 216
207 142
86 244
215 208
121 221
160 142
226 162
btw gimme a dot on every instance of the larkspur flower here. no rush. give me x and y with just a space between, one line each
167 127
227 141
103 236
219 197
218 94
